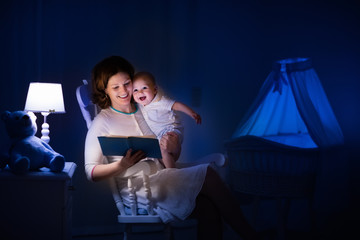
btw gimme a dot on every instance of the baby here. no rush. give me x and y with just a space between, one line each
158 111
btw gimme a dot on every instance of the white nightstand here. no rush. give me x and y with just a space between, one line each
37 205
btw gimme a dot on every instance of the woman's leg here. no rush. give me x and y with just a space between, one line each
229 208
209 219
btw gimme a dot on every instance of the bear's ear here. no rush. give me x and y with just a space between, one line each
32 115
5 115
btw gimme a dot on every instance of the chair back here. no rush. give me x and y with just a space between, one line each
88 109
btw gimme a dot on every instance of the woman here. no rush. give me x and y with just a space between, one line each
177 193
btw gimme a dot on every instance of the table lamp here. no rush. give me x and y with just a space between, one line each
45 98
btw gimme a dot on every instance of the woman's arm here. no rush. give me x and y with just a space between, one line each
104 171
96 166
178 106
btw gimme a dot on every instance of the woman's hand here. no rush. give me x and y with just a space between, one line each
170 142
104 171
130 159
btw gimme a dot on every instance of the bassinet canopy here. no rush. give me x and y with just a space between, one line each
292 108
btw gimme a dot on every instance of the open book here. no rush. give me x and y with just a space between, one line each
118 145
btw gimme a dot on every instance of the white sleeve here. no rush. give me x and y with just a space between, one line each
93 153
167 103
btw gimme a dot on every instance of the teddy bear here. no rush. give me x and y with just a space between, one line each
28 152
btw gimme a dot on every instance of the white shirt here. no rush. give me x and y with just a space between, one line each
160 117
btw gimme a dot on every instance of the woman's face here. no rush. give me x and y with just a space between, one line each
119 89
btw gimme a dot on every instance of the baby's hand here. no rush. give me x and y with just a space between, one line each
197 117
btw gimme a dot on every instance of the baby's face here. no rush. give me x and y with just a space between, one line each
143 91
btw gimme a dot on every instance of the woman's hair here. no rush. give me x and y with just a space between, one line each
101 74
146 76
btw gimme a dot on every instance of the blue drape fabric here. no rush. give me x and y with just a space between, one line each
292 102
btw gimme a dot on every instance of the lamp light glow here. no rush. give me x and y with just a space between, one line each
45 98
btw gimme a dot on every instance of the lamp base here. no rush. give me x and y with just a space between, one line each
45 132
45 128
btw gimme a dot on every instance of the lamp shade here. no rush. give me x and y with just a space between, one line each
45 97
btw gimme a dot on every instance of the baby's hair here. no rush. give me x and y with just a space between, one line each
146 76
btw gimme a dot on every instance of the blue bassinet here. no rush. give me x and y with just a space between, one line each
274 152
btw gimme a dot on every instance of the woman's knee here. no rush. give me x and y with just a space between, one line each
205 208
212 182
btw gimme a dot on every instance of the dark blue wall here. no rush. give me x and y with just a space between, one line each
224 48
